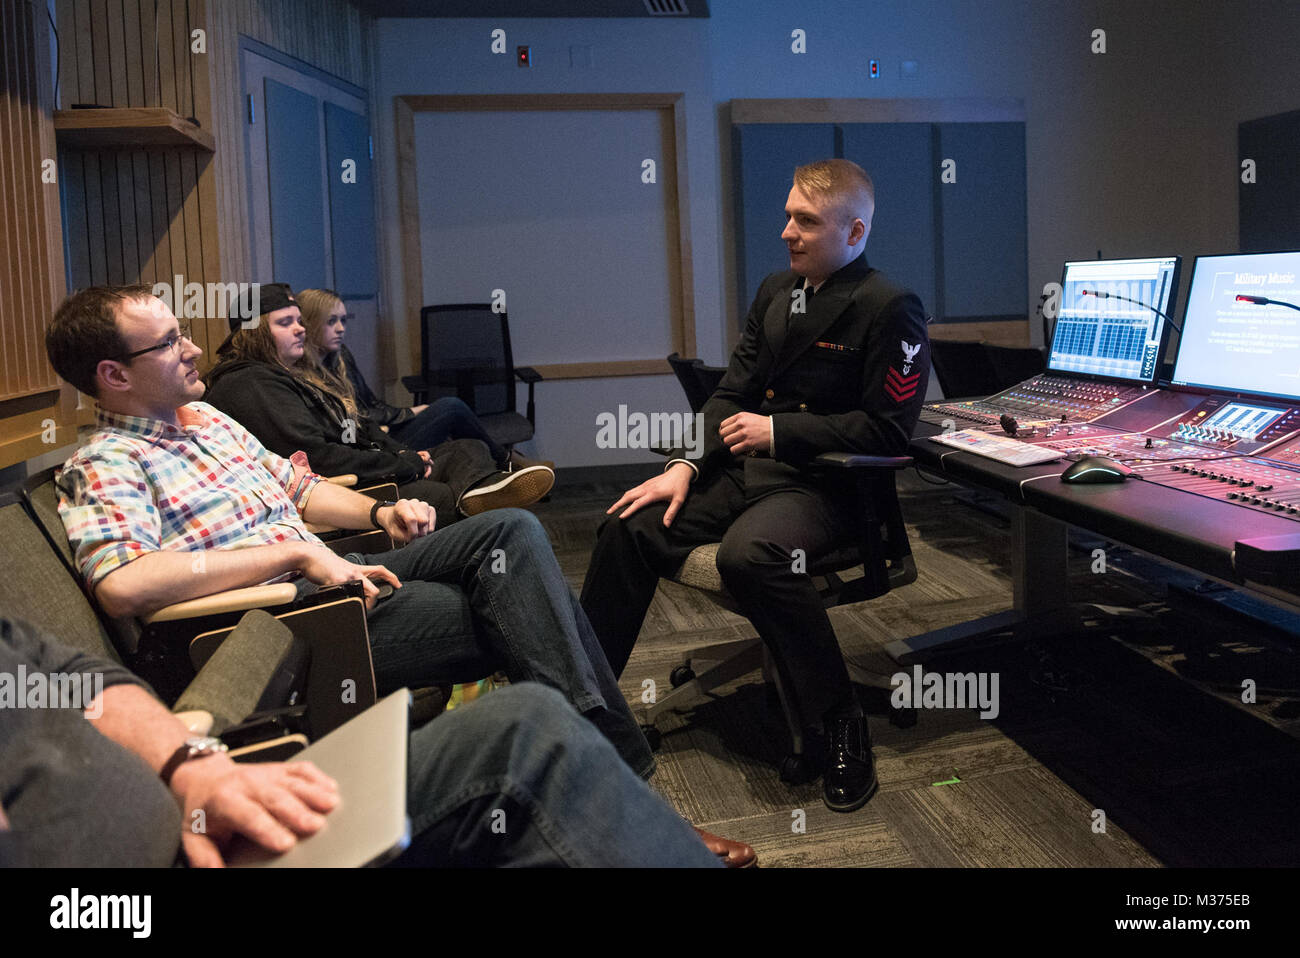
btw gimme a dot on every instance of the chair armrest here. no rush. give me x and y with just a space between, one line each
231 683
234 600
197 721
274 750
527 374
384 492
347 479
852 460
417 386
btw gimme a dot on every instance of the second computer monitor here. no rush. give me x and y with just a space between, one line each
1241 329
1112 317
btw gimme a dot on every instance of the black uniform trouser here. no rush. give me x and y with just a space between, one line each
757 563
458 465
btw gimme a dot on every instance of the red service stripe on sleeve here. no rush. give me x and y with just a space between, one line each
899 395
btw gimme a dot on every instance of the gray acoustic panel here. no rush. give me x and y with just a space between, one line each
983 241
764 156
897 158
1269 207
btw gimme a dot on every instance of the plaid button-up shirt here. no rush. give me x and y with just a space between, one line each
141 485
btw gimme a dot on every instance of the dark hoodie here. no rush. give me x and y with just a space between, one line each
287 415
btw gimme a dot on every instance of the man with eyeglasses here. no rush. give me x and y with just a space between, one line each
165 476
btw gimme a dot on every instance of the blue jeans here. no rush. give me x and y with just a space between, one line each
485 594
446 418
517 778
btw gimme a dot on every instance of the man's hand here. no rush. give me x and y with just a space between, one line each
323 567
671 485
428 462
273 804
409 519
746 433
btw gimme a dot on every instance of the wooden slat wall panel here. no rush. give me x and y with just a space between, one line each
136 216
148 217
31 258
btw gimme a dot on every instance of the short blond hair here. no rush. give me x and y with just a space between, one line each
843 183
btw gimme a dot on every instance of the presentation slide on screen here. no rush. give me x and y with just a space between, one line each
1237 345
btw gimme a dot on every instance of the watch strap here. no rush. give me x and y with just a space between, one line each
186 751
374 511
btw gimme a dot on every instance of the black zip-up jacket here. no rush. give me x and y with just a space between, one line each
287 415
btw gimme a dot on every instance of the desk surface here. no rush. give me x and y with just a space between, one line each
1191 530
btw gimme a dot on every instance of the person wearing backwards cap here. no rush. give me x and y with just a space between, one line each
264 380
165 477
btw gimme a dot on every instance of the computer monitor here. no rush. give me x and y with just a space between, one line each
1109 322
1242 345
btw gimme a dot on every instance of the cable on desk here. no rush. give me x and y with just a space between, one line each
921 475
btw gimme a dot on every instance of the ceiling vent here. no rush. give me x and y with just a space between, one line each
666 8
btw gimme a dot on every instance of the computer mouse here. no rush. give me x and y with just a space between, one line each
1096 469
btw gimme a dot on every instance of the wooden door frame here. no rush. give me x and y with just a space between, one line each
405 108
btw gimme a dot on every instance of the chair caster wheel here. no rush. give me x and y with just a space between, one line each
797 770
680 676
902 718
653 737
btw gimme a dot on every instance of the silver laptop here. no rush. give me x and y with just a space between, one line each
369 826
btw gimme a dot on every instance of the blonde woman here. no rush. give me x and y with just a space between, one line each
421 427
264 382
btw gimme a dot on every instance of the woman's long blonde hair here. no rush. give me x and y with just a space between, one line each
316 306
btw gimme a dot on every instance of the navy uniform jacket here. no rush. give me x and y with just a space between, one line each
849 374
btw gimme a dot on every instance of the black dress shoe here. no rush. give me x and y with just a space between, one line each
850 777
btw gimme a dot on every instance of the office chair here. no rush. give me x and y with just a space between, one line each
963 368
698 380
883 552
247 675
465 352
1014 364
332 621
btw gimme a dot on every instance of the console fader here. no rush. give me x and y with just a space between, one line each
1254 454
1044 398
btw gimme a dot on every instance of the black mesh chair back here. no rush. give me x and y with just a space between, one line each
963 368
698 380
466 353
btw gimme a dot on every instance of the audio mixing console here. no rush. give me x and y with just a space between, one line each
1044 398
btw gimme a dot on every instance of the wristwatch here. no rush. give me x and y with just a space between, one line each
374 511
199 746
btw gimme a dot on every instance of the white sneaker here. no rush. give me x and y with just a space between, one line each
502 490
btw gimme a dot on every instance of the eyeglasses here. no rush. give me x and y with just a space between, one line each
168 343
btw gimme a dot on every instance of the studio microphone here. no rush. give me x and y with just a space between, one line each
1265 301
1102 294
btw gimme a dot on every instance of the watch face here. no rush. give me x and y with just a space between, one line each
203 744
